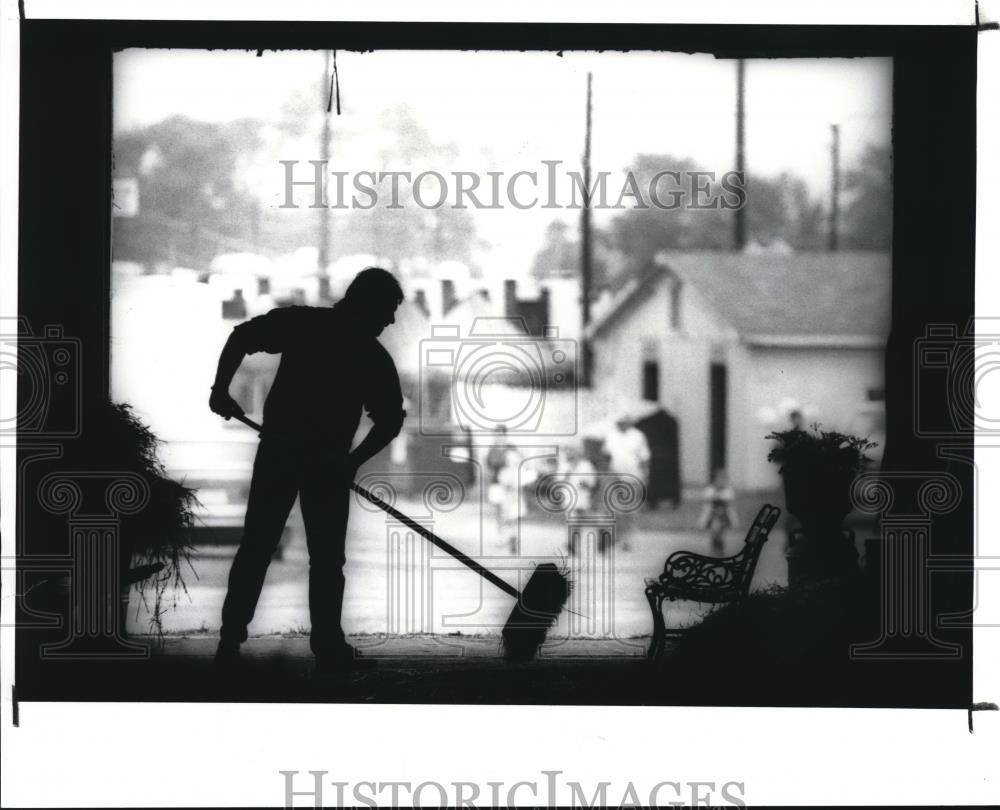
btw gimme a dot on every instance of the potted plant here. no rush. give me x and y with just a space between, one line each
818 467
155 541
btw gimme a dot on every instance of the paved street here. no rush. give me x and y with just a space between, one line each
399 584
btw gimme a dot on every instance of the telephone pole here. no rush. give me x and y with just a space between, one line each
323 259
586 258
740 221
834 184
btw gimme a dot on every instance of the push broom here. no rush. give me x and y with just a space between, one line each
538 605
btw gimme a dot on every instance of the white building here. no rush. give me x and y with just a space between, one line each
718 338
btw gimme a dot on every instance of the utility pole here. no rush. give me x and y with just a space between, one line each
323 259
834 184
586 257
740 221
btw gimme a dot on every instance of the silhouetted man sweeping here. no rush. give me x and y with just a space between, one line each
331 367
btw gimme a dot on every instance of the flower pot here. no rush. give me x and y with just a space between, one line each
818 495
828 556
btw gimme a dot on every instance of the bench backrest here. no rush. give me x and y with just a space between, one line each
746 559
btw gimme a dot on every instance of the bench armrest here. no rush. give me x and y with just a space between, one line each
688 571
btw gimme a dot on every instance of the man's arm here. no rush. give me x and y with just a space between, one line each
384 403
229 361
265 333
379 436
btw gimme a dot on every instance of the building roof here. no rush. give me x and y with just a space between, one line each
829 298
475 304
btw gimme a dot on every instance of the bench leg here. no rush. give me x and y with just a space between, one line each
659 627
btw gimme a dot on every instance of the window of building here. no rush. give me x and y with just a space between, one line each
650 380
675 304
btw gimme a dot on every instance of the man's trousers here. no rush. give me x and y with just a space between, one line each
282 470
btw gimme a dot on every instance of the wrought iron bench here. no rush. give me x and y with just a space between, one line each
697 578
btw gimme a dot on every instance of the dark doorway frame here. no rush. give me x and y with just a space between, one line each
65 204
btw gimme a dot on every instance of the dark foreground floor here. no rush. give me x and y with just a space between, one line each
428 670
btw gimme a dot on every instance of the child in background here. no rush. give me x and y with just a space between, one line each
576 469
502 487
717 513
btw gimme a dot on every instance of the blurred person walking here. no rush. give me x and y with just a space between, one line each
796 421
503 466
629 454
575 468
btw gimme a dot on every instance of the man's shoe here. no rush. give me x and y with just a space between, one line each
227 655
341 659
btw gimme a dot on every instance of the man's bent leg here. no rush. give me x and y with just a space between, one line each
272 492
324 502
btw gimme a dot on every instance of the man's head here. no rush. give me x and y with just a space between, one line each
372 298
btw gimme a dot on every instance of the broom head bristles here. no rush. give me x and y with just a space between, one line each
541 602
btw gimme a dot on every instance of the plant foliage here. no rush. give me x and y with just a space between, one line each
160 533
815 448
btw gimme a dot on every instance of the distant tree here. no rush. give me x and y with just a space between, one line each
867 219
777 209
640 233
781 209
808 227
192 204
558 253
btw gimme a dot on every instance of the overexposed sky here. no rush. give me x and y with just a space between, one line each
531 105
509 111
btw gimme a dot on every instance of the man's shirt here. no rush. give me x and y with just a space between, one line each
327 374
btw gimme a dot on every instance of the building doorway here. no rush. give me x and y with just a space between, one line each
717 418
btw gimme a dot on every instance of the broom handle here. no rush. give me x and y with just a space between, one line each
463 558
